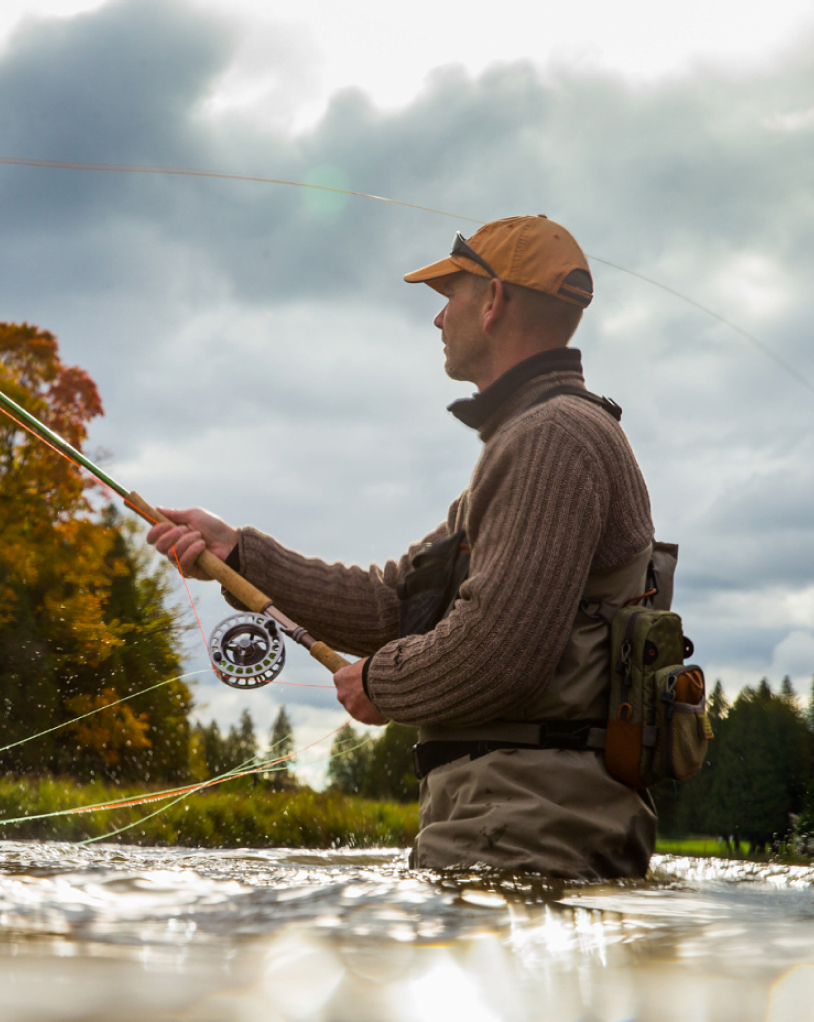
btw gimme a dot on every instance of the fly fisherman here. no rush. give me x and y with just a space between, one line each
483 634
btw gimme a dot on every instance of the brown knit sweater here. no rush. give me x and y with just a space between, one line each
556 494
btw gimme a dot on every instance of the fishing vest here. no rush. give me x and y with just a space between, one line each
584 701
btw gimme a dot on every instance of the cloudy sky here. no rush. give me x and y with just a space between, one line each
258 352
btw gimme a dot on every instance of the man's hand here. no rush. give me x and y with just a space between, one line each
194 531
351 694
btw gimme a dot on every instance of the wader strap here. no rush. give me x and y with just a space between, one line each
579 735
610 406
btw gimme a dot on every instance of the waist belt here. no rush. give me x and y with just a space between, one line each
579 735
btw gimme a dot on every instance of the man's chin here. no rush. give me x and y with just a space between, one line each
455 372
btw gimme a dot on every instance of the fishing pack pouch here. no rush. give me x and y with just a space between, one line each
428 592
657 723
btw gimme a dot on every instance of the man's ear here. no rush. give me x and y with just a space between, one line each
494 306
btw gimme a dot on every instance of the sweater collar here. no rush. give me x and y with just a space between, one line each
474 411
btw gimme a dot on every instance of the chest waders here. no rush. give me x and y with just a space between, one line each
624 659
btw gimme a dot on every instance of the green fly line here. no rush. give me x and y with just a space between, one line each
254 765
99 709
270 766
122 168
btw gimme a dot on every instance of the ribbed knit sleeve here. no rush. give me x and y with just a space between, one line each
354 610
538 504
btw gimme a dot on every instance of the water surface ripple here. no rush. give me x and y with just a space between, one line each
113 932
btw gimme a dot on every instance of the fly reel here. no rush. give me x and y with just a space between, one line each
247 650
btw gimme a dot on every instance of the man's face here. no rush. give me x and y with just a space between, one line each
466 346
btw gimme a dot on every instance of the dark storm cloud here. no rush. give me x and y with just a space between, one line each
124 81
260 354
639 174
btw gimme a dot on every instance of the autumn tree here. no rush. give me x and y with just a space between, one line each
84 621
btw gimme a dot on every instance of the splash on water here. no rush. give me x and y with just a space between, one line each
246 935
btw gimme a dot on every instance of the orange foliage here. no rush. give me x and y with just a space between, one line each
82 615
49 542
112 731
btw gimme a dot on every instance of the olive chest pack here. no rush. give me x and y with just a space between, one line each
657 723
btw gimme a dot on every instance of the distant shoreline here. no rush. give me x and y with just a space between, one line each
243 815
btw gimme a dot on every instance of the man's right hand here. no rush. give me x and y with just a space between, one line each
190 532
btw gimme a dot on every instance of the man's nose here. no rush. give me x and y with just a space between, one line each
439 319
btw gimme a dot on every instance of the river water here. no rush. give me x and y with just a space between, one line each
112 932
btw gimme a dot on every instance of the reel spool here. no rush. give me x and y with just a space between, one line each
247 651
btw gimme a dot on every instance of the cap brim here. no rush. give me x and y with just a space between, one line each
435 274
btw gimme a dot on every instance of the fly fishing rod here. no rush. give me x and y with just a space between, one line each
246 649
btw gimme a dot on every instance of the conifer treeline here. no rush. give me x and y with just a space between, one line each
213 754
86 620
378 765
758 781
756 786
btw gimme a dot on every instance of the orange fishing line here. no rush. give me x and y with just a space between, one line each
191 601
190 789
38 436
81 468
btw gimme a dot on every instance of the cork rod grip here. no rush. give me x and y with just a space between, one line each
249 595
238 586
328 657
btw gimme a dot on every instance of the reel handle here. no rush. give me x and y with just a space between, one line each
248 594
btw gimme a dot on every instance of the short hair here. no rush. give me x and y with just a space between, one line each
537 309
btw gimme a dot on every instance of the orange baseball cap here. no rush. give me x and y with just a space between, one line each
531 251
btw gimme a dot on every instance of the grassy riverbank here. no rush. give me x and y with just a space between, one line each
244 816
714 848
253 817
696 846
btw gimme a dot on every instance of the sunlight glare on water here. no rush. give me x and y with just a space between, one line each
114 932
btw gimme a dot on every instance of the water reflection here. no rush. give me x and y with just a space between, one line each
240 936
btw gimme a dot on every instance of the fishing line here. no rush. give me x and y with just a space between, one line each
242 770
189 172
189 595
154 796
260 769
778 359
108 484
90 713
129 168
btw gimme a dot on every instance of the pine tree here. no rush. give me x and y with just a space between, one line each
241 743
761 767
390 773
213 748
717 704
810 714
281 745
349 762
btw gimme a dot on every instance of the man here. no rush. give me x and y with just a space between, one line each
508 677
